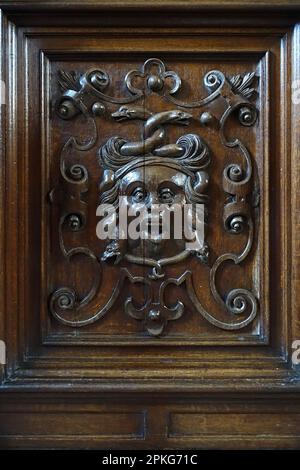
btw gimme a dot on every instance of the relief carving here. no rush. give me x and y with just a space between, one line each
176 173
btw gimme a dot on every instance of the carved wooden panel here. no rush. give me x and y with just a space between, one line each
116 123
187 342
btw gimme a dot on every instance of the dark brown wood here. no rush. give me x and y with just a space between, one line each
188 383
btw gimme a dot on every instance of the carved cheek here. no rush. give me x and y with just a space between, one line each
180 199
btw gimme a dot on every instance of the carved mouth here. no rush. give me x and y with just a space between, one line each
155 240
184 119
117 116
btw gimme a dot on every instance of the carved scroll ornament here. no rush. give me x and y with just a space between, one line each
184 164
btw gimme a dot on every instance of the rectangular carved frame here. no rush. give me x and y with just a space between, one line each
35 363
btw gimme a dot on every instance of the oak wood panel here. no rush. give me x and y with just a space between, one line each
228 423
34 43
203 389
161 4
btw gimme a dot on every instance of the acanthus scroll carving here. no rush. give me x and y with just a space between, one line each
183 165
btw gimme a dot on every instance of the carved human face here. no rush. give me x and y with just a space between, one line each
144 187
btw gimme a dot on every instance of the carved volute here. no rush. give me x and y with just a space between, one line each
156 168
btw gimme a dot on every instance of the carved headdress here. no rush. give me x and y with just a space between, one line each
189 155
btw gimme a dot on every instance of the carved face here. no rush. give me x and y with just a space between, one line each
144 187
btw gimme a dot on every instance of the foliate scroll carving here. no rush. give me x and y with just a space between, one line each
183 165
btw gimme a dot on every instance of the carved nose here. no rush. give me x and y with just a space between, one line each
152 199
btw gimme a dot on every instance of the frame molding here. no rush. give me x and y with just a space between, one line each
28 377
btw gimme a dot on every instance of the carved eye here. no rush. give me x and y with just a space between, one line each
166 196
139 195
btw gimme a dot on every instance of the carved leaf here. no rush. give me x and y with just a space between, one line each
68 80
236 80
241 85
